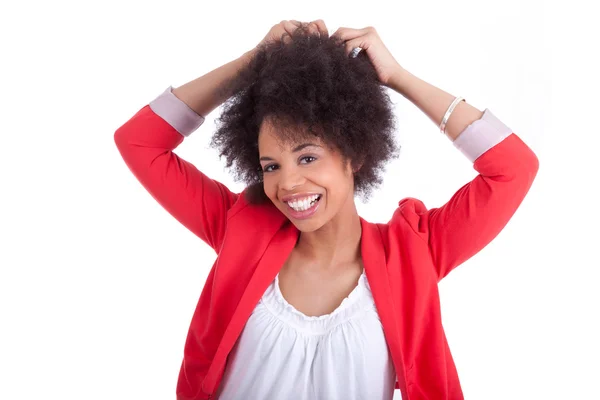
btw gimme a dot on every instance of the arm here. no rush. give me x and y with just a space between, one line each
146 143
434 102
479 210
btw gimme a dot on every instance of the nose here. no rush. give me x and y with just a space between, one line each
290 179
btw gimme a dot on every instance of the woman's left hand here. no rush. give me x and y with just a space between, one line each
368 39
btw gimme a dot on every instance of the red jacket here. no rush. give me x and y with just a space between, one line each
404 259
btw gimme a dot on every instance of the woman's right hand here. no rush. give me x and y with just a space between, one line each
284 29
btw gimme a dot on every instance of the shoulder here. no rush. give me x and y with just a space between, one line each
409 216
408 220
410 211
240 204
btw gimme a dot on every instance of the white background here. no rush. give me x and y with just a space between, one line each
98 283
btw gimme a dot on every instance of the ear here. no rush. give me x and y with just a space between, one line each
350 169
358 167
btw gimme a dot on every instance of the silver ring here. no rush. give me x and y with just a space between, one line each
355 52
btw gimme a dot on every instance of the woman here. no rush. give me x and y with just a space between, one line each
306 299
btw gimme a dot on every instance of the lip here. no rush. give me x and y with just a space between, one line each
291 197
303 214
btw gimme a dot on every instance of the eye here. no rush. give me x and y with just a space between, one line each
309 158
269 168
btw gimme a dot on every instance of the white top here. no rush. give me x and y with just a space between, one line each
284 354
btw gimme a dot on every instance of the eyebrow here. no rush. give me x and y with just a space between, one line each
294 150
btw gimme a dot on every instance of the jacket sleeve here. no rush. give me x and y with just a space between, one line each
480 209
146 143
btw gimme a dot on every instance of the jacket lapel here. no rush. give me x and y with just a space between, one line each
375 264
274 254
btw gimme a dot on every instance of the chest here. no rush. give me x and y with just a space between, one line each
284 354
314 290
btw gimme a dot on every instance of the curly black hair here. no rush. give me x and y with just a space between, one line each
308 86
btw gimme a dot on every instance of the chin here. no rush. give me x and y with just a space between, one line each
306 225
309 224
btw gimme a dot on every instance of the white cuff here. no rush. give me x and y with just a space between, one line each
481 135
177 114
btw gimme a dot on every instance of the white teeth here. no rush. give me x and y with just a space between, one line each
303 204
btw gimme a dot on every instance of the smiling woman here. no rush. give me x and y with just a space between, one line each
303 91
310 183
306 299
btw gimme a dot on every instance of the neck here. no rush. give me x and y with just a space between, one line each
335 243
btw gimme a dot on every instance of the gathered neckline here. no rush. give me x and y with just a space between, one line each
348 301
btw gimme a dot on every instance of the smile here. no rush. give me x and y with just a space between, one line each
305 207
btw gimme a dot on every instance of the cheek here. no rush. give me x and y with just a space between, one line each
270 188
332 178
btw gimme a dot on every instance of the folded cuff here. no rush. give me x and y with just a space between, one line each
177 114
481 135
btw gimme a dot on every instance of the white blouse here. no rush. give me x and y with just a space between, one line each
284 354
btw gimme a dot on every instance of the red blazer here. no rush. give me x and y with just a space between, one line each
404 259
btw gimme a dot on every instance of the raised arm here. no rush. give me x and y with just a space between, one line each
480 209
146 143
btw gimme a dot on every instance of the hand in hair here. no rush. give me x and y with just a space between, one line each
369 41
283 30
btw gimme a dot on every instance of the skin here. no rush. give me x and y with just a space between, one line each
326 263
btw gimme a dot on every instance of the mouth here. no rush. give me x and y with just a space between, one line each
303 208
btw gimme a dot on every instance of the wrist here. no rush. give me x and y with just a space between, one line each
250 53
400 79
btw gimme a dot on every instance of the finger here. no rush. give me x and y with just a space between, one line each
289 28
352 44
312 29
321 26
349 33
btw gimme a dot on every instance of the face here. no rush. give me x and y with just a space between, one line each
306 180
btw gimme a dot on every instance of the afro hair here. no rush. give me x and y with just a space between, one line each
308 86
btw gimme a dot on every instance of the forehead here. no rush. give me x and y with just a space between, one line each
283 137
